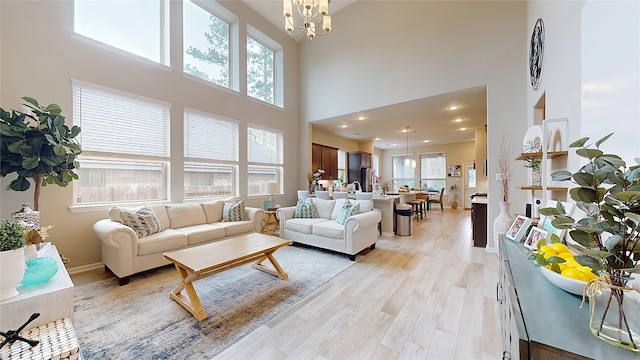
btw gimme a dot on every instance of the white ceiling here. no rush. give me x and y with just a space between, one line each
428 117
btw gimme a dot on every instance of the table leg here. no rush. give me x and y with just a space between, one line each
192 301
279 272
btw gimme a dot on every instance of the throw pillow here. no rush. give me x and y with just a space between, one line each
305 210
348 209
237 212
144 222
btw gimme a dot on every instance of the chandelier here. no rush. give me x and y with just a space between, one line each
314 14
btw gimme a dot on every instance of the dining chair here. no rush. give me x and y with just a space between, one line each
364 196
340 195
437 200
322 195
303 195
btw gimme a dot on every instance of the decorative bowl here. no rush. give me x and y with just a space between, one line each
569 285
39 271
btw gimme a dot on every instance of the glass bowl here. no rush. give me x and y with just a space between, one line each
569 285
39 271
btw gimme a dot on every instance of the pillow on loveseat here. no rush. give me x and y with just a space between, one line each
144 222
237 212
305 210
347 209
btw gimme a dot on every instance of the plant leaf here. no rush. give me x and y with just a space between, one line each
20 184
579 143
561 175
603 140
589 153
31 101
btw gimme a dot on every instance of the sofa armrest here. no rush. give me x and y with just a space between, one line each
284 214
363 220
256 215
114 234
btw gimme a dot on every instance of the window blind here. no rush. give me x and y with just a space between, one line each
115 123
264 146
207 137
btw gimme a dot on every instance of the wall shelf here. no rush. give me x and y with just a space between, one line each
549 188
538 155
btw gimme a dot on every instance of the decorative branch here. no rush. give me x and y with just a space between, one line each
504 167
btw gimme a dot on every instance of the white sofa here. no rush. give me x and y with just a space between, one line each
358 232
185 225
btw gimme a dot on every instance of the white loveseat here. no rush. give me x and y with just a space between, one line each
185 225
358 232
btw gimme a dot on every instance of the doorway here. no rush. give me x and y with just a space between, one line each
469 180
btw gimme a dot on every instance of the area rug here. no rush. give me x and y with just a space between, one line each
140 321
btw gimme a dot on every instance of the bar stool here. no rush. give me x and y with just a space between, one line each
416 206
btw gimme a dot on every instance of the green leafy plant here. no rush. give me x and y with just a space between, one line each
39 146
454 191
532 163
12 235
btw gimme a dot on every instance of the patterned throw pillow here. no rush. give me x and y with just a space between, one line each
305 210
348 209
144 222
237 212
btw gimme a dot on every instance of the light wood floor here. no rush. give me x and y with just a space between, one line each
427 296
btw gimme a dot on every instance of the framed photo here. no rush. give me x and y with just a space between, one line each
536 234
454 170
545 221
266 204
518 228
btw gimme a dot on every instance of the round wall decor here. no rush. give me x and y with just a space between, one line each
536 51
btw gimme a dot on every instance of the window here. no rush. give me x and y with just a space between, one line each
125 143
207 46
264 61
265 160
114 22
342 165
211 155
433 171
402 175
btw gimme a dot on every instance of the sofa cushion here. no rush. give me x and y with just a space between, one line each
347 209
197 234
167 240
305 210
304 226
143 222
237 227
330 229
365 205
237 212
183 215
213 209
161 213
324 207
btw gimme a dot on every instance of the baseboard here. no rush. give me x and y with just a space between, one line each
85 268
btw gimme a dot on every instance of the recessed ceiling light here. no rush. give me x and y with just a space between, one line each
393 144
463 129
344 126
405 130
361 118
458 120
377 139
425 141
454 107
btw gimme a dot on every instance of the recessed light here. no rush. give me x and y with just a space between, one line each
458 120
405 130
377 139
361 118
393 144
454 107
425 141
463 129
344 126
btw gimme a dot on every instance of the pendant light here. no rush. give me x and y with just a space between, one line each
413 161
407 162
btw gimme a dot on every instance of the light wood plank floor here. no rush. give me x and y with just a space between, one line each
427 296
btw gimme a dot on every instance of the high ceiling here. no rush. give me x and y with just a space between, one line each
428 117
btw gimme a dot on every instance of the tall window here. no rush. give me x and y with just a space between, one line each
114 22
342 165
207 45
260 71
402 175
125 143
211 155
265 159
433 171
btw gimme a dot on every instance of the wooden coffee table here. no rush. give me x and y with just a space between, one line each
201 261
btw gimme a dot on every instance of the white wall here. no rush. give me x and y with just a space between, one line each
385 52
40 56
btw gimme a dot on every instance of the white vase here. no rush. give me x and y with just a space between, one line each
12 266
503 222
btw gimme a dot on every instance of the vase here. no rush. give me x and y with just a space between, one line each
502 223
12 266
615 312
536 177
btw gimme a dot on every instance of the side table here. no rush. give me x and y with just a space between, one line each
270 223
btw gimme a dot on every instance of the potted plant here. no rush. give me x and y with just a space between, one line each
454 193
12 262
536 173
608 192
38 146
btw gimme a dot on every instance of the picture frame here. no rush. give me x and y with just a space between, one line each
518 228
266 204
545 221
454 170
536 234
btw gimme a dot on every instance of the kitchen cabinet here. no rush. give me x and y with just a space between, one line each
325 158
539 320
479 222
358 164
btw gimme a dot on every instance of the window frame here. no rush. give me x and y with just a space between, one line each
395 180
423 169
277 166
278 63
